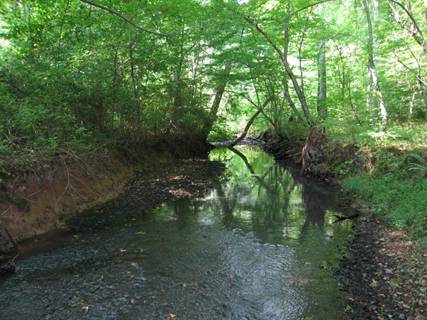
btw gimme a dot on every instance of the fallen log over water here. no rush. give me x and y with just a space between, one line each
241 138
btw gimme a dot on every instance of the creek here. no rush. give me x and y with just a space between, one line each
260 244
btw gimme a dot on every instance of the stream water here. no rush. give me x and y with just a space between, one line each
261 244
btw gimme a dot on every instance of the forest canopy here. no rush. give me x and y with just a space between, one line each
75 71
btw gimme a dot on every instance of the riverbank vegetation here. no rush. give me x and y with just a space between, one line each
76 75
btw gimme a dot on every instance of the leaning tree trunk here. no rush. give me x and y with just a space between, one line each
411 26
219 93
312 150
220 90
249 124
283 55
373 74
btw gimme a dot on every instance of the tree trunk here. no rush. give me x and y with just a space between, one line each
413 30
289 99
321 87
114 84
220 91
411 106
249 124
300 52
423 91
135 87
345 80
288 69
177 96
376 94
283 55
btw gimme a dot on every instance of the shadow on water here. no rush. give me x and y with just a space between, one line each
260 245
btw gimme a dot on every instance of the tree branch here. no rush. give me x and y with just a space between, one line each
265 35
309 6
416 74
118 14
248 125
262 111
417 34
283 58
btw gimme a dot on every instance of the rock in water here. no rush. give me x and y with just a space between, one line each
8 251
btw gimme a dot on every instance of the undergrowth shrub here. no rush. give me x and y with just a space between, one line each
399 198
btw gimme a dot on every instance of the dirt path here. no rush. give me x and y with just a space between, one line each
384 275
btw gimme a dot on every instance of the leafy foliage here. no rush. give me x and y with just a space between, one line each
77 73
402 201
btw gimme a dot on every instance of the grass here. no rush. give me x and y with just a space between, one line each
407 136
401 201
394 184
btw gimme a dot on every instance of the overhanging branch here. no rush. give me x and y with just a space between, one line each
310 5
417 34
118 14
248 125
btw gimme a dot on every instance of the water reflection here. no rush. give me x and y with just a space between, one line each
273 201
260 245
279 207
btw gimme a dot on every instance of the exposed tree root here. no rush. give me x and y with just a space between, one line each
313 150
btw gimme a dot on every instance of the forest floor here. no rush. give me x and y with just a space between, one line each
384 272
